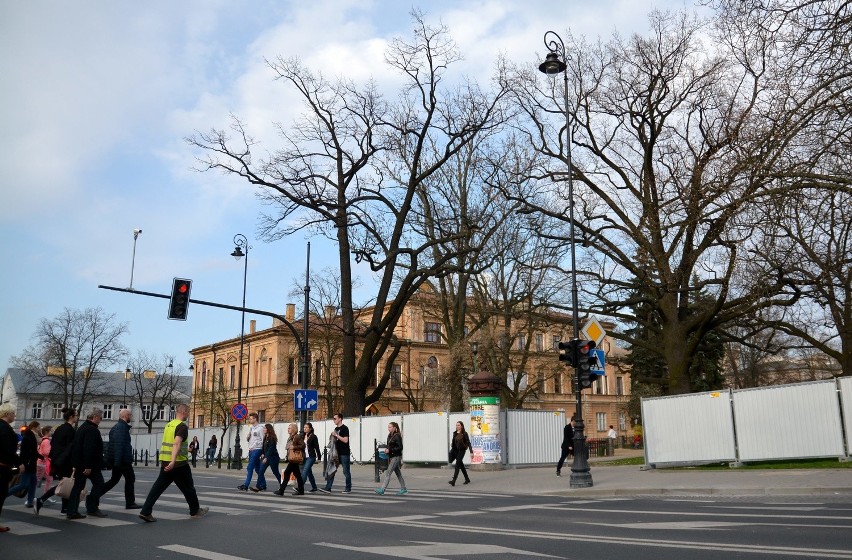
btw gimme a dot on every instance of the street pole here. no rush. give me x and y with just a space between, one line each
136 233
241 250
306 365
581 477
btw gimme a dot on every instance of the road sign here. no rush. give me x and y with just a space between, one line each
305 399
600 367
239 411
593 330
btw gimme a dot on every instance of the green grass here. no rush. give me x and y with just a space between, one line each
762 465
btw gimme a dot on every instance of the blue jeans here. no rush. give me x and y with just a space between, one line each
211 455
344 462
307 473
254 465
273 466
28 481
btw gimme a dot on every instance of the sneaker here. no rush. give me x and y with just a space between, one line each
325 491
28 504
346 492
278 492
558 473
452 483
200 513
402 492
312 490
52 501
97 513
242 487
380 491
256 489
298 492
38 505
134 505
147 517
467 481
75 516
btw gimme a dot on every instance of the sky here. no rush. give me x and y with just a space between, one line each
97 99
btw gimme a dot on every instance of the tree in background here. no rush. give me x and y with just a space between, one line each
156 387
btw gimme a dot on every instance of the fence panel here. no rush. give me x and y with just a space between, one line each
788 421
533 436
695 428
845 386
425 437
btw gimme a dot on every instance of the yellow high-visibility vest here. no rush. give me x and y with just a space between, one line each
168 442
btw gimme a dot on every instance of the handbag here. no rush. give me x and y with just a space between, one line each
64 486
16 479
295 456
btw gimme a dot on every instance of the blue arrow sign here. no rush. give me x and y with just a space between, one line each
305 399
600 367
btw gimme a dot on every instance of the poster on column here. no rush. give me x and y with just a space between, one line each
485 430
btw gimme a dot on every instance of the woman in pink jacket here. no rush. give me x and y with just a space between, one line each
44 459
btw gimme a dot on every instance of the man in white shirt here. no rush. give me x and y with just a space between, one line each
612 434
255 449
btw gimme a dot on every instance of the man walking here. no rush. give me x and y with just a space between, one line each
255 447
87 458
174 458
340 437
120 456
567 445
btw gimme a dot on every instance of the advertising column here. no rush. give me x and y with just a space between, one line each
485 430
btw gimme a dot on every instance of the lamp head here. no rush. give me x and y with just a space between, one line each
238 253
552 64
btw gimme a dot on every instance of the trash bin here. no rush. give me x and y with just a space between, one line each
381 456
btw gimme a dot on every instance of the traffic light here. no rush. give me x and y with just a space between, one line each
585 360
568 352
179 302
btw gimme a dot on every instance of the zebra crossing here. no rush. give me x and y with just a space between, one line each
222 501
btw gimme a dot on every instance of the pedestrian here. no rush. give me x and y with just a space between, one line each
339 439
255 447
312 455
120 456
612 434
211 450
61 445
8 453
295 456
270 459
394 459
193 449
29 457
567 445
44 458
87 459
174 461
458 447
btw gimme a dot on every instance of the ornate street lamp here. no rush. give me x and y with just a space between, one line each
556 62
241 250
474 350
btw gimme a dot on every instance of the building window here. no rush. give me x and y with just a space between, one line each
172 412
432 332
199 422
146 411
622 421
600 387
521 378
57 411
396 376
107 412
36 410
619 385
292 378
261 416
221 378
557 383
122 406
539 383
317 373
522 341
539 342
161 412
600 418
554 342
233 376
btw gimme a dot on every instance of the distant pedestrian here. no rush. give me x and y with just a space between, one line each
269 459
174 461
567 445
339 439
120 456
29 457
295 456
255 446
8 452
394 460
87 458
458 447
193 449
312 455
44 458
61 445
612 434
211 450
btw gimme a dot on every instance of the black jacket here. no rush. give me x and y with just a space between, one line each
119 451
29 451
60 450
8 446
312 447
88 450
568 436
395 445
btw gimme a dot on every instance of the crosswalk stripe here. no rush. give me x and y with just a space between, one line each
199 553
22 528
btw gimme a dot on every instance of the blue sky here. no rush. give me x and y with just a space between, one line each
97 98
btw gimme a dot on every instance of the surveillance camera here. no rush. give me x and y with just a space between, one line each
137 231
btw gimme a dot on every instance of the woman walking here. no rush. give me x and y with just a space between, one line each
295 456
312 455
44 458
8 452
458 447
29 458
211 450
60 455
269 458
194 446
394 460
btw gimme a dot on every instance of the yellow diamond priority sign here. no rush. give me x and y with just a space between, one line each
593 330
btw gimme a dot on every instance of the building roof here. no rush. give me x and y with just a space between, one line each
109 383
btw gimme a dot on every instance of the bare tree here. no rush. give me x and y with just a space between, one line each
71 351
330 178
156 386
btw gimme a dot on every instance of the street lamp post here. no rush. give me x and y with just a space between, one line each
306 357
126 377
474 349
136 233
581 477
241 250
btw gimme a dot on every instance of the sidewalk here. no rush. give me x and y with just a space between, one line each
613 481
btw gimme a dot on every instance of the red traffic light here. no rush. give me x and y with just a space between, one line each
585 346
183 288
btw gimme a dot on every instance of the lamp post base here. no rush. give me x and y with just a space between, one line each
581 475
237 459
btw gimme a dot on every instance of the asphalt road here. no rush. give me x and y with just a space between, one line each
434 522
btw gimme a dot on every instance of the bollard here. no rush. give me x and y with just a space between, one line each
146 457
